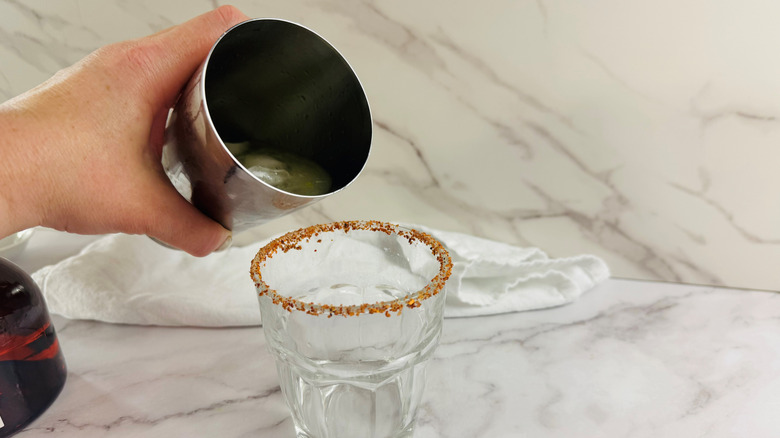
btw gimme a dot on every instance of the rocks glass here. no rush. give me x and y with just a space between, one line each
352 311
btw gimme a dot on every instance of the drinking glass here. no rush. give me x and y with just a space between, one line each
352 311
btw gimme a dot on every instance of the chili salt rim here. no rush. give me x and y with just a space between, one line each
292 240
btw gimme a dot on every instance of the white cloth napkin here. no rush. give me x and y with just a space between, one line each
131 279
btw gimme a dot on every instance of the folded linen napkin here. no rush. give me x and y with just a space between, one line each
131 279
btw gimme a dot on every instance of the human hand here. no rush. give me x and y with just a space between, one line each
81 152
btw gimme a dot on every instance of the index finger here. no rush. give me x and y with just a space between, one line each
184 47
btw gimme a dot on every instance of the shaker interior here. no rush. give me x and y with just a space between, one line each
281 86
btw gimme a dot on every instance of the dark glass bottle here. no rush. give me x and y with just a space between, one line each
32 368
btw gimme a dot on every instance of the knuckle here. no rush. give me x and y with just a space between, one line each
229 15
142 57
130 60
105 56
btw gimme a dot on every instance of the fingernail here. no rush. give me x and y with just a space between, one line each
226 244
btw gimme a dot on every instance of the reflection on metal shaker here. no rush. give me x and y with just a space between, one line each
276 89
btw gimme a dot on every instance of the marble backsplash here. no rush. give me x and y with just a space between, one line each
644 132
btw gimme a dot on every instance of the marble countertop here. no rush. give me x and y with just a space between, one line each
629 358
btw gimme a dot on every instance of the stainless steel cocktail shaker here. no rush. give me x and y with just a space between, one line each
268 84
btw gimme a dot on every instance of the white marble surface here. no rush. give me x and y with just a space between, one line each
645 132
628 359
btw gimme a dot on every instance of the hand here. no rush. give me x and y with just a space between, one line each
81 152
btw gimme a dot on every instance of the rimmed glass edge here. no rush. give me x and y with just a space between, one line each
292 240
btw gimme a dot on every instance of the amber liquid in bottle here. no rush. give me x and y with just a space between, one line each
32 368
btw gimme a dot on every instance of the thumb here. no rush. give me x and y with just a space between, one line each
176 222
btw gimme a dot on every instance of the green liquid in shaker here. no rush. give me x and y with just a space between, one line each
284 170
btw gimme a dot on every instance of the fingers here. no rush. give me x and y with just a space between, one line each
170 57
165 62
173 220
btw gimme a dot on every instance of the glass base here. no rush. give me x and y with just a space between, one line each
383 406
406 433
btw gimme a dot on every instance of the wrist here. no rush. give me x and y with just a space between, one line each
15 202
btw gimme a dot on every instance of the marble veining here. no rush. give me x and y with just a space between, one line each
630 358
643 132
637 132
